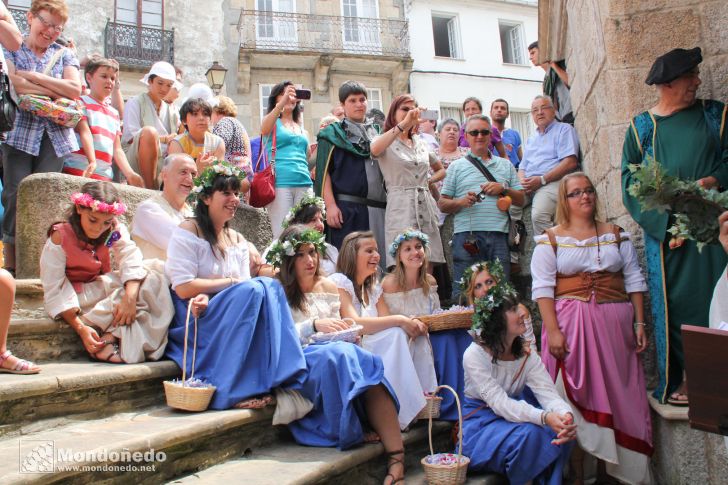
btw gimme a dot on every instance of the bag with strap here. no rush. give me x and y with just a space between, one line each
8 106
263 187
517 232
62 111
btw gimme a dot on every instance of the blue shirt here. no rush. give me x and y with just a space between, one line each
462 177
291 162
543 151
513 138
27 133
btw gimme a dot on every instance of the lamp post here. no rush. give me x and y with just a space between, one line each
216 76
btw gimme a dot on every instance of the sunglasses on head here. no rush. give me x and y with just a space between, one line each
479 132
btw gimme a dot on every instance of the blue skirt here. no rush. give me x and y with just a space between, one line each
338 375
448 348
521 451
247 343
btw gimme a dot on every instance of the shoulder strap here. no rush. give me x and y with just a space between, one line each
54 60
552 239
643 127
486 173
617 231
520 370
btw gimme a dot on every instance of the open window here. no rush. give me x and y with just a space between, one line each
446 35
512 46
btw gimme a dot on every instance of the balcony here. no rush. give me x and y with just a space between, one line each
138 47
322 34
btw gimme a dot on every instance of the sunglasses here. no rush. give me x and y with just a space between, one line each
479 132
578 193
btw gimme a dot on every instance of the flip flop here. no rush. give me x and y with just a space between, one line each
675 400
22 367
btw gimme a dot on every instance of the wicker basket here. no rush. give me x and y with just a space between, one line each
448 321
432 408
453 474
178 394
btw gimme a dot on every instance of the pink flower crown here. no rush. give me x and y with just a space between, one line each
85 200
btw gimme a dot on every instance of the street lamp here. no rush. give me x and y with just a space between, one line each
216 76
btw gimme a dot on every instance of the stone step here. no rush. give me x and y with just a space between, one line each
69 391
180 442
291 464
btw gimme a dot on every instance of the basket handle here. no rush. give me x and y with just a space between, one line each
194 346
460 421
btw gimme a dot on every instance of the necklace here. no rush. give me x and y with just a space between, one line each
599 255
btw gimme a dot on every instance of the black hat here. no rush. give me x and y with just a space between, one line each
674 64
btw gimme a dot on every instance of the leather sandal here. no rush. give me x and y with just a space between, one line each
22 366
395 461
111 355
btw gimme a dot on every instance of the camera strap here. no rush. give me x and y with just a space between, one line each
486 173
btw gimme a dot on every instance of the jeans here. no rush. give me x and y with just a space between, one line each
286 198
491 245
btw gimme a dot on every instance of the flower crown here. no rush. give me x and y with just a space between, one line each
205 179
86 200
495 268
307 200
407 236
485 306
290 245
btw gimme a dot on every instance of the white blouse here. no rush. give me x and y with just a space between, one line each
496 384
190 257
413 303
58 292
370 310
318 305
575 256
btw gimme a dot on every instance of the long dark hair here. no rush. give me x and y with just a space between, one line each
492 335
287 275
276 91
202 213
103 191
305 215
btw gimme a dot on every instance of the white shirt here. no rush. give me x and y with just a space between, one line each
495 384
190 257
154 222
133 120
574 256
370 310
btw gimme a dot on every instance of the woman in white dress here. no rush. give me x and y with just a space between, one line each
399 340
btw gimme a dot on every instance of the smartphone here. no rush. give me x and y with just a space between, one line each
429 114
303 93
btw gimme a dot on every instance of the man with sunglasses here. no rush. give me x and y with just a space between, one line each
549 154
481 220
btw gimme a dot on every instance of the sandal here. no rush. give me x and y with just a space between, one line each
395 461
22 366
255 402
678 399
108 358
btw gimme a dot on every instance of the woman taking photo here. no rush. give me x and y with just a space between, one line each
399 340
280 128
344 382
589 287
405 159
210 265
501 432
197 141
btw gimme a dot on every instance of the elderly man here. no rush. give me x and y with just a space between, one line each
481 228
157 217
550 153
688 139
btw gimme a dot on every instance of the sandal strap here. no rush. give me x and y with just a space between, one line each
4 356
23 365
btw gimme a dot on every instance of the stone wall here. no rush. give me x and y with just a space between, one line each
44 198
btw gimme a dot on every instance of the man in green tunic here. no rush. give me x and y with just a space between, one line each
686 136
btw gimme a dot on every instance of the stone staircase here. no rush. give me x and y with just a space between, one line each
87 422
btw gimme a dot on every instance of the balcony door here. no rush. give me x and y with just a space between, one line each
276 25
361 26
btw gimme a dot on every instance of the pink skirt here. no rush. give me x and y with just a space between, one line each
602 374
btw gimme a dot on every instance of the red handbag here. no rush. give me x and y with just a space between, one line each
263 187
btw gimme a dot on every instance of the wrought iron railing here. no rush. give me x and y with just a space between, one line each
21 18
134 46
323 33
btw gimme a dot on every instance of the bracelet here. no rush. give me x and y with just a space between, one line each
639 323
399 127
313 324
543 417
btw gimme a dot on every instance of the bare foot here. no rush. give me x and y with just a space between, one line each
395 468
371 437
680 396
110 352
255 402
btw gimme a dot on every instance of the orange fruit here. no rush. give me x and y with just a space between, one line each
504 203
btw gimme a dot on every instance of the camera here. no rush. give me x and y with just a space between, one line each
303 93
480 197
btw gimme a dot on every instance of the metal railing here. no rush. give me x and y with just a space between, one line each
134 46
282 31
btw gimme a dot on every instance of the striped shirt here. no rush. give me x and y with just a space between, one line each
103 120
462 177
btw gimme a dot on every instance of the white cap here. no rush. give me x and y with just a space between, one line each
200 90
165 70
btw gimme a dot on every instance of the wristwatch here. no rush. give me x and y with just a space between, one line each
506 186
543 180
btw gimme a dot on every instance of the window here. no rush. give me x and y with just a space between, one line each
511 37
521 121
451 111
19 3
445 32
374 98
361 25
264 94
128 12
276 29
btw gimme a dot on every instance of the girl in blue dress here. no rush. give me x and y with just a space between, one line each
501 432
247 344
345 383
